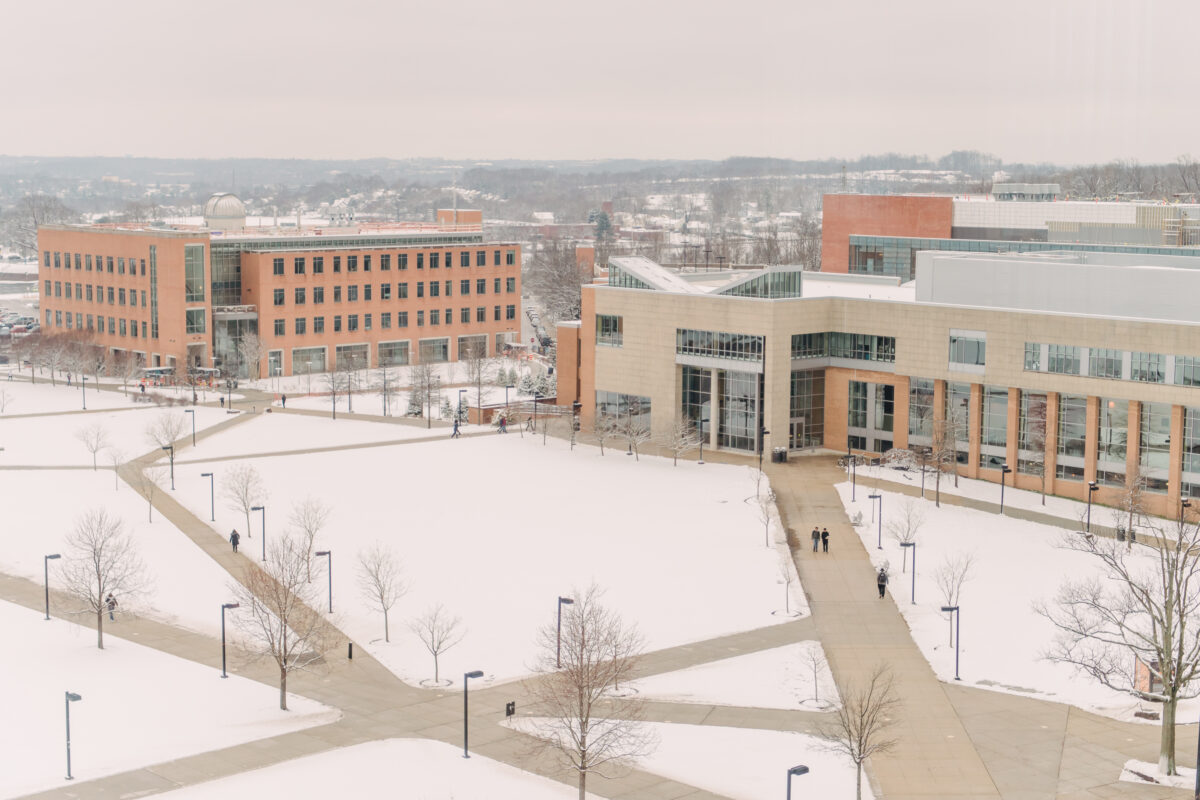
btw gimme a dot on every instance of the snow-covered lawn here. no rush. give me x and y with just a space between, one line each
187 588
53 440
409 768
497 527
1016 564
267 433
139 706
778 678
23 397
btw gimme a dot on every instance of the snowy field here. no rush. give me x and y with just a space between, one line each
372 403
778 678
53 440
409 768
1016 564
186 587
131 696
275 432
23 397
678 549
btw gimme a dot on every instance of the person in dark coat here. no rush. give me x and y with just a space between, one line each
825 539
234 538
881 581
110 603
455 434
816 538
285 401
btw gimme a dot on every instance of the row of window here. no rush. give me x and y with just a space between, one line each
300 264
352 294
194 322
115 295
717 344
1103 362
391 353
86 262
300 324
835 344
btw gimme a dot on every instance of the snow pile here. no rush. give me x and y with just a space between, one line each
1144 772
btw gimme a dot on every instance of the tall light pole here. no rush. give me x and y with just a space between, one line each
223 607
212 496
1092 487
263 509
797 770
762 444
46 578
562 601
1184 504
329 572
853 477
466 676
1004 470
461 392
702 421
957 630
71 698
873 498
192 411
83 383
171 449
913 545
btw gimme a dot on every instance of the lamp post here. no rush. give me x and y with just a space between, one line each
1092 487
913 545
467 675
703 421
537 396
1004 470
223 607
46 578
263 509
762 444
329 571
83 384
796 770
1184 504
957 630
853 477
170 448
71 698
575 409
879 497
461 392
212 496
192 411
562 601
507 386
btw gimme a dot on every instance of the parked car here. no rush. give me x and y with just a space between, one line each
19 331
5 331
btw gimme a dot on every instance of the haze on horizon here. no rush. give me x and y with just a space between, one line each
1066 82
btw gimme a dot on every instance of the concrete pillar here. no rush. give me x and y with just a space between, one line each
1092 447
1050 464
1175 474
1013 429
900 413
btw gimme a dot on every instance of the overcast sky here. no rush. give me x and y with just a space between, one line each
1029 80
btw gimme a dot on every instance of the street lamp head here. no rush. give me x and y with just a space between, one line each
322 552
566 601
949 608
1185 503
1093 487
54 555
72 697
798 770
256 508
908 544
510 386
1006 469
205 474
476 674
168 447
231 605
189 411
874 497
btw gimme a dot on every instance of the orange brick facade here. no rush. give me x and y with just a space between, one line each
875 215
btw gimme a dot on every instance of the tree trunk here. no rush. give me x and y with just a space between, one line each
937 489
904 561
435 668
283 688
93 462
100 627
858 782
1166 747
582 784
247 510
386 637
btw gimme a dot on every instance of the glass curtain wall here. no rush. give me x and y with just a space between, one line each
740 392
696 398
1112 439
1191 452
993 436
1072 437
920 411
957 416
807 423
1154 446
1031 442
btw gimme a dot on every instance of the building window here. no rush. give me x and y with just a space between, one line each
1112 441
449 288
123 324
994 432
385 291
434 351
435 317
1033 357
337 263
856 407
402 291
301 325
434 288
480 314
510 257
510 312
298 266
920 411
1063 359
1148 367
279 297
1104 363
108 290
464 315
434 260
318 327
609 330
1190 486
280 327
120 295
968 350
108 264
352 322
402 261
318 293
318 265
385 261
464 259
306 360
393 354
464 287
277 266
1072 437
352 293
1154 445
510 284
481 258
481 286
420 319
337 323
366 263
366 291
351 263
716 344
337 294
299 295
1031 439
401 319
496 313
496 285
420 288
385 320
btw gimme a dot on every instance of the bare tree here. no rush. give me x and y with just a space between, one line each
1144 603
94 438
385 379
477 365
860 725
950 576
905 526
425 388
554 277
766 511
277 615
20 223
242 487
681 439
1132 501
101 560
635 430
251 350
582 724
148 480
787 576
381 580
337 381
438 630
309 518
166 428
127 367
814 659
944 451
116 457
51 354
604 427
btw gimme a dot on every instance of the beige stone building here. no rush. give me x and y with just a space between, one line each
1071 368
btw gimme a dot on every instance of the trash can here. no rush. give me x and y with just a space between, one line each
1120 533
779 455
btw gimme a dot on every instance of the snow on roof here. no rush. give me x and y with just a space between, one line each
861 287
654 275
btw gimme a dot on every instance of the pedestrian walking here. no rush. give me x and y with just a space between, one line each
816 538
455 434
503 425
143 386
222 399
110 603
529 424
68 379
285 401
234 538
825 539
881 581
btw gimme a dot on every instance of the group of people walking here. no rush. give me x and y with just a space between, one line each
820 537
